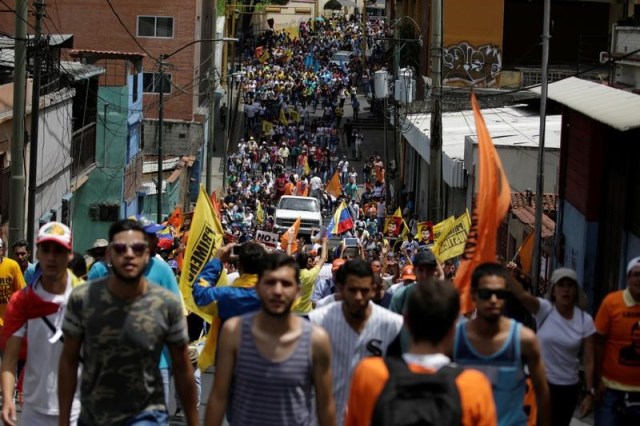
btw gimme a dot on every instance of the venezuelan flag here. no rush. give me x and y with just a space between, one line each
341 220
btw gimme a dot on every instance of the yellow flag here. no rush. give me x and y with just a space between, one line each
205 236
452 241
283 117
259 213
439 228
295 115
267 127
333 187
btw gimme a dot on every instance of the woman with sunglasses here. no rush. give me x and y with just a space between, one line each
564 329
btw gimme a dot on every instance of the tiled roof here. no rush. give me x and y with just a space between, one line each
521 199
527 215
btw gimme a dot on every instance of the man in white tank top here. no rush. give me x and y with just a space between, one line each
273 342
357 327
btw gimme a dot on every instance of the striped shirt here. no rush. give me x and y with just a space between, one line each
272 393
349 347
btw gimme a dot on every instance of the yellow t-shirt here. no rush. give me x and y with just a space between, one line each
11 280
308 279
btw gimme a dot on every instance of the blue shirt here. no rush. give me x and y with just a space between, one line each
322 289
232 301
30 273
99 269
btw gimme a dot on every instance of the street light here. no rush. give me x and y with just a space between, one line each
161 62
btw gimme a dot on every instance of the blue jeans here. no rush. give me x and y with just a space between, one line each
166 382
611 411
145 418
149 418
197 378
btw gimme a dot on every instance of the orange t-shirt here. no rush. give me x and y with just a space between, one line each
288 188
370 376
619 321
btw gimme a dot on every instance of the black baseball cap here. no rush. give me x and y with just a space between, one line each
425 258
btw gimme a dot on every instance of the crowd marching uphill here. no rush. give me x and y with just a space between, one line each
400 321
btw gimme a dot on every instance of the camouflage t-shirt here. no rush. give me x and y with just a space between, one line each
122 341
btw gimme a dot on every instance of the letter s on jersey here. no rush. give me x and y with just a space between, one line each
374 347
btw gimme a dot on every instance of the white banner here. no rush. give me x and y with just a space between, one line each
269 239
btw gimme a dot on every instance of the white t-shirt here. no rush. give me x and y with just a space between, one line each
327 300
348 348
43 357
560 341
231 277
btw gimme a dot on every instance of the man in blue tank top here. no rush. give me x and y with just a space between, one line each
501 347
274 359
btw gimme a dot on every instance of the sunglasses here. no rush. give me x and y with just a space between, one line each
137 248
486 293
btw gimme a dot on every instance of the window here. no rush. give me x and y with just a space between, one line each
155 26
151 83
134 86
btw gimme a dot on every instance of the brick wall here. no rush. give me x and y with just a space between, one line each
95 27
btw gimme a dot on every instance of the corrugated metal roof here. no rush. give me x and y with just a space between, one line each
106 54
80 71
508 126
613 107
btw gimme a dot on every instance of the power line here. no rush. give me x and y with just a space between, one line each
127 30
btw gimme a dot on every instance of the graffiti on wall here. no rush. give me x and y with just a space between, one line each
469 64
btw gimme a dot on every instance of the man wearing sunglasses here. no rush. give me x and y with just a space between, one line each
122 323
158 272
500 347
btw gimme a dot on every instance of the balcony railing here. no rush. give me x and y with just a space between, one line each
83 148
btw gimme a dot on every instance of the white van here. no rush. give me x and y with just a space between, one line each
291 208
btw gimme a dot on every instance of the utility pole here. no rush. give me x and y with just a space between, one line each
227 137
212 105
160 133
396 110
35 117
435 155
16 211
544 82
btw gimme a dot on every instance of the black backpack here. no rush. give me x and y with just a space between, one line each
416 399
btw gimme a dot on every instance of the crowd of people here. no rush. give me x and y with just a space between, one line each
306 337
369 332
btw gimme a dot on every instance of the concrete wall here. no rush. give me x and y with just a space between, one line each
580 246
53 179
179 138
520 164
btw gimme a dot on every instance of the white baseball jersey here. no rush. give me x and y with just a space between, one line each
348 347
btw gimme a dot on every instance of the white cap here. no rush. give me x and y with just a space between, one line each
633 262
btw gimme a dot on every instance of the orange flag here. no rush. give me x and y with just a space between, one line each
284 240
175 219
526 253
214 202
333 187
491 205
